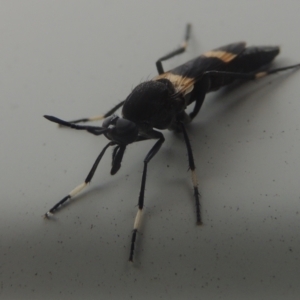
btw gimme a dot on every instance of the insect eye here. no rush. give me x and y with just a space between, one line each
122 131
125 131
110 121
124 126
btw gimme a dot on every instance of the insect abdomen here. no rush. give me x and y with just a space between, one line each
253 58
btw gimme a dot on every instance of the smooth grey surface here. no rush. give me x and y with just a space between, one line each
74 59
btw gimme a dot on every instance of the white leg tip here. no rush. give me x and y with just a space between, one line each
48 215
137 220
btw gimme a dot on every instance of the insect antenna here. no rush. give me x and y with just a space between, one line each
96 130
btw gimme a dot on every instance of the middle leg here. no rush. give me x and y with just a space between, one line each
193 173
152 152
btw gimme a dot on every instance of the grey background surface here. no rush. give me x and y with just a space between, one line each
74 59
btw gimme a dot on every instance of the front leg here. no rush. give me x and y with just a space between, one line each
81 186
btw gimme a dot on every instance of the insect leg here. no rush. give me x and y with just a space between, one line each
248 76
137 220
81 186
269 72
193 172
203 86
118 153
100 117
180 50
199 93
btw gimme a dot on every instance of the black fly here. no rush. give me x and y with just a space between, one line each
161 102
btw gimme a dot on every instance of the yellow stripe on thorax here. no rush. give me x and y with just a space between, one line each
182 84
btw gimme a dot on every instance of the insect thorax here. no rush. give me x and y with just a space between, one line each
153 104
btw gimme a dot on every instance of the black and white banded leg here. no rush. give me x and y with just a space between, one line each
193 173
180 50
137 221
248 76
203 86
81 186
93 130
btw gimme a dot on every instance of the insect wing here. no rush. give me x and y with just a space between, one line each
186 75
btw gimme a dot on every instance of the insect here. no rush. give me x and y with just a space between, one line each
160 104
